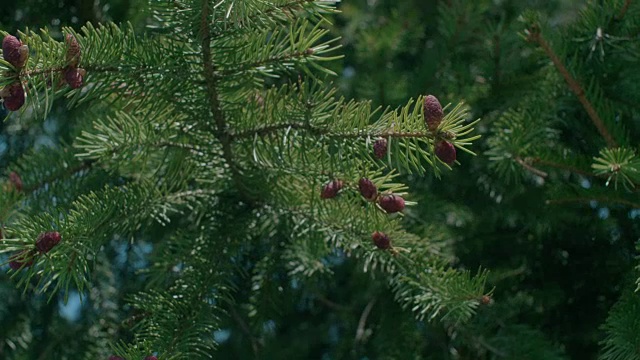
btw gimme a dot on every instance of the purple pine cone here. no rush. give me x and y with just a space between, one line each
368 189
432 112
446 152
380 148
13 96
381 240
47 240
331 189
391 203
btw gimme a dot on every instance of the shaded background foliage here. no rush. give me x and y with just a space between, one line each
557 269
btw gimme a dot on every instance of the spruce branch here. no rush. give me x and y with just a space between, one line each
86 165
603 199
222 131
556 165
623 10
534 35
526 164
317 131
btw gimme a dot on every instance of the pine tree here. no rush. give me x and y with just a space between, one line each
209 182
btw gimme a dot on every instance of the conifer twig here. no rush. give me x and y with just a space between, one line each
531 169
623 10
245 328
602 199
556 165
535 36
363 320
319 131
84 166
222 133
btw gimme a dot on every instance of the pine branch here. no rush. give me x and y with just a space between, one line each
86 165
534 35
603 199
222 132
567 167
532 169
623 10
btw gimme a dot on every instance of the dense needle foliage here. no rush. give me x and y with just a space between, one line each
192 185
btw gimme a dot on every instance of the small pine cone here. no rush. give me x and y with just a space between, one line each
331 189
485 300
381 240
368 190
73 50
15 180
13 96
391 203
432 112
14 52
22 259
47 240
446 152
151 357
380 148
74 76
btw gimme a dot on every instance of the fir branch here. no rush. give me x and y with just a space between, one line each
263 62
255 343
314 130
603 199
81 167
623 10
532 169
211 80
363 321
556 165
535 36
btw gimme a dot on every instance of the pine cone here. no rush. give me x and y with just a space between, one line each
47 240
15 180
485 300
446 152
151 357
74 76
432 112
381 240
73 50
331 189
14 52
391 203
13 96
367 189
380 148
22 259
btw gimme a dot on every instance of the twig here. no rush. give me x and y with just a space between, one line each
490 347
245 328
85 165
363 320
532 169
589 199
535 36
330 304
556 165
222 132
624 9
319 131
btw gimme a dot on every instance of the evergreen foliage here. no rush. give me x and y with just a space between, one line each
206 141
205 181
551 207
